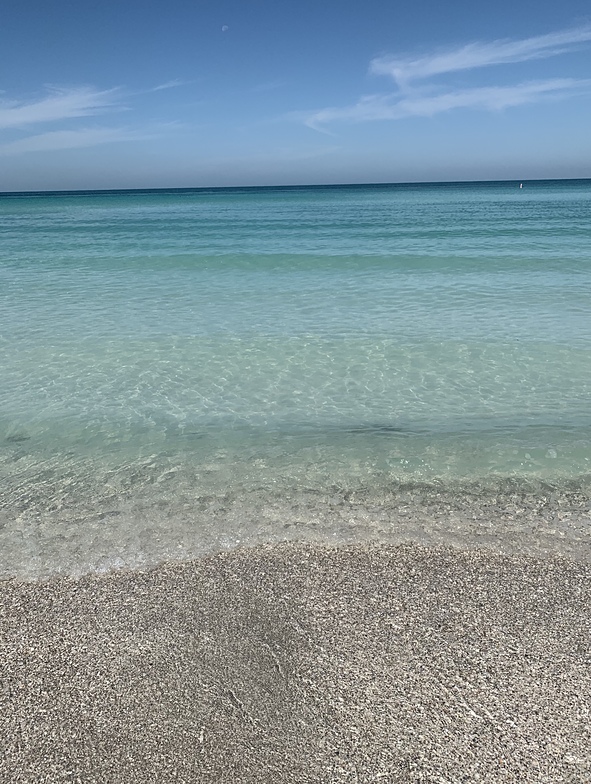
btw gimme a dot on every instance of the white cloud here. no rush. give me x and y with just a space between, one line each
60 104
71 139
393 107
477 55
167 85
57 113
418 93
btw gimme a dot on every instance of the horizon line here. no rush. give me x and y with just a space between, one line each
187 189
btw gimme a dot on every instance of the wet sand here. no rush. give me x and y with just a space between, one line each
301 663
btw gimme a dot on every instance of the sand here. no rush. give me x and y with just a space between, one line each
301 663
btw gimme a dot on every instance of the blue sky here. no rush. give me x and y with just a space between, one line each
139 93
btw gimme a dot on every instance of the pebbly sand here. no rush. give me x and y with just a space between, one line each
301 663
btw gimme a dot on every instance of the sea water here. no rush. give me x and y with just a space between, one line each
188 370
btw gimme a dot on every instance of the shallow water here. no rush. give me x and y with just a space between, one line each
189 370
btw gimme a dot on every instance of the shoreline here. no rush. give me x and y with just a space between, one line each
301 663
160 522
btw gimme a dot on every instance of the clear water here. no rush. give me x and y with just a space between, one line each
188 370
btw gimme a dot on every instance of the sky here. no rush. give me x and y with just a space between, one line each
178 93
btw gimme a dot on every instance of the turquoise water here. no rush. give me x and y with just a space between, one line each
188 370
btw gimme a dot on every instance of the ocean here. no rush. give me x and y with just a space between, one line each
184 371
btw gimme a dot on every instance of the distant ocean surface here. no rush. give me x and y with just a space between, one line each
184 371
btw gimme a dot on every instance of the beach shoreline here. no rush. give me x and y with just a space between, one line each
176 521
301 663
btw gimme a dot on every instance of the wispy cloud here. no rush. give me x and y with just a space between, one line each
57 115
419 94
167 85
392 107
60 104
405 70
72 139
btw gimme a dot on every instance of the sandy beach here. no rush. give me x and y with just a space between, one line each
301 663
